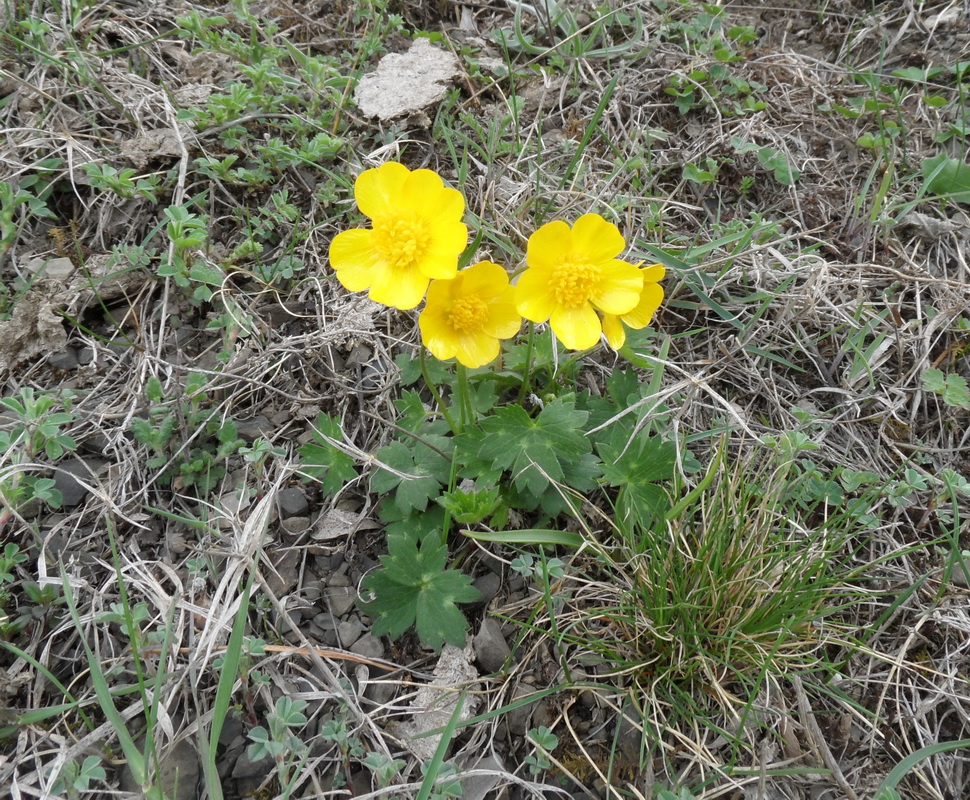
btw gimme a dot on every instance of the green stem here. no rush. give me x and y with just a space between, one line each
436 394
466 411
527 376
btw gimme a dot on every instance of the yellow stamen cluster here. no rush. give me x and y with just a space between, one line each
468 314
401 241
573 283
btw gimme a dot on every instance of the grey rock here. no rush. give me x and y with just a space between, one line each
66 360
247 768
254 428
339 580
292 503
85 355
178 773
55 269
368 646
380 692
312 591
67 475
96 444
517 719
341 599
349 632
489 585
478 787
491 649
286 572
294 527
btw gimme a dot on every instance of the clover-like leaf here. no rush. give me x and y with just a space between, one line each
952 388
323 461
413 586
417 471
536 451
635 464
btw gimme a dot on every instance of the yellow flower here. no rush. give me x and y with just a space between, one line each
417 234
572 273
465 317
640 316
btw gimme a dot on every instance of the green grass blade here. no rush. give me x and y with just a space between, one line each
434 766
532 536
887 789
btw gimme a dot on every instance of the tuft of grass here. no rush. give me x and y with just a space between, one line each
738 586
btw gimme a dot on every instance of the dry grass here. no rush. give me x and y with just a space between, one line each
827 306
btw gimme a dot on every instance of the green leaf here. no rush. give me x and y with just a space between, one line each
536 451
948 177
323 461
411 409
635 464
418 471
415 587
952 388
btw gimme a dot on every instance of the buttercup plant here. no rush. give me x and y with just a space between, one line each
517 460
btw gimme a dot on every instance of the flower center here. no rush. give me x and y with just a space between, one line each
574 281
401 241
468 314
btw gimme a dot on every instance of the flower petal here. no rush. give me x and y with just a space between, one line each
619 287
550 245
425 190
448 240
477 349
504 320
485 279
653 274
650 301
595 239
578 328
436 332
378 191
354 258
398 288
614 330
533 296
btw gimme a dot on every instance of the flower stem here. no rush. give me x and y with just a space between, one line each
527 376
435 393
466 413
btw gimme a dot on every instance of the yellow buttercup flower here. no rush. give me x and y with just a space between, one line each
417 234
573 272
650 300
464 318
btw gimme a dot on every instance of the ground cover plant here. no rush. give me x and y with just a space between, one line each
595 426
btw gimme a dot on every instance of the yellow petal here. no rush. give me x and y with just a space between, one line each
354 258
614 330
549 246
577 328
650 301
378 191
485 279
398 288
425 191
619 288
533 296
653 273
441 293
504 320
477 349
437 334
595 239
448 240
